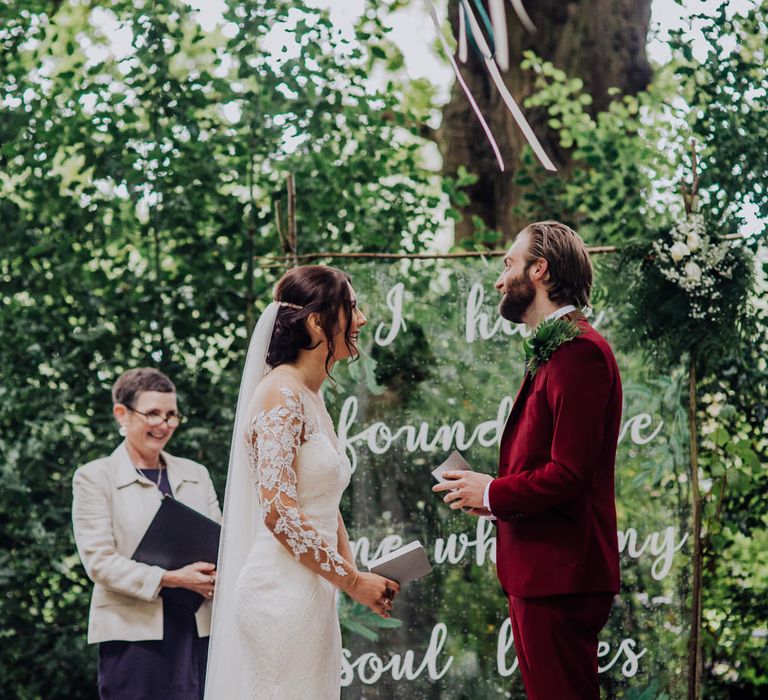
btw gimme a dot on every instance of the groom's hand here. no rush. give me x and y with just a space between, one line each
465 490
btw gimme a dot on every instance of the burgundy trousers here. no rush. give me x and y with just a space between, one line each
556 644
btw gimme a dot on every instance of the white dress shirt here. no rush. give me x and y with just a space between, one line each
562 311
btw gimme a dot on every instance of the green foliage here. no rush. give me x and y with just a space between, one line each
729 124
620 190
658 313
549 336
727 108
403 368
734 410
362 621
611 190
135 193
649 693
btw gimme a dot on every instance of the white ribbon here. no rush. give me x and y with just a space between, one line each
449 53
499 24
463 53
513 107
522 15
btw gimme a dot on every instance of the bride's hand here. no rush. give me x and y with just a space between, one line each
372 590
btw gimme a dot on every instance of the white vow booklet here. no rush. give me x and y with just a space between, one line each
405 564
455 462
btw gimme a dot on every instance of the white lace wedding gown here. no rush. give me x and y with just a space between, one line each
286 613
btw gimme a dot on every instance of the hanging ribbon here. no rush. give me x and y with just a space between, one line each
488 49
497 28
462 35
509 101
522 15
499 23
449 53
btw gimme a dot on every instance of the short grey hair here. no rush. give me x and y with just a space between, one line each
133 382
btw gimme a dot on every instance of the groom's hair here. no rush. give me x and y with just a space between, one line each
570 270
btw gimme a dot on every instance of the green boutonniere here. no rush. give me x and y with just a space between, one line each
549 336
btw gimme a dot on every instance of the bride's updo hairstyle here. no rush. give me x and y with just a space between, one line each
302 291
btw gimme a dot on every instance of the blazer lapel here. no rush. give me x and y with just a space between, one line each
125 472
517 406
575 316
130 486
178 473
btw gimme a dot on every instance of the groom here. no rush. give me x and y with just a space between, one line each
553 501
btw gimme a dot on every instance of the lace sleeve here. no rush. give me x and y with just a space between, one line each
273 440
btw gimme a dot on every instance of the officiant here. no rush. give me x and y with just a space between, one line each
149 647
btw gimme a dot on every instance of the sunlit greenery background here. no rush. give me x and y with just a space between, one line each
137 196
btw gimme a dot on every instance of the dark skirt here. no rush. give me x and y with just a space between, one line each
172 668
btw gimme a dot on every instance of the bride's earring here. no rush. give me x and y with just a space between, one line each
121 431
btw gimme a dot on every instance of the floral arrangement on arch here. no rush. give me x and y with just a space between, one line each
697 264
686 289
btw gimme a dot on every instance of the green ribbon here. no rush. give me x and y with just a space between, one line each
486 20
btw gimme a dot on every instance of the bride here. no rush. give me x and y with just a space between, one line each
284 548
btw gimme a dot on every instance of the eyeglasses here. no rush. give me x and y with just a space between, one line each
155 418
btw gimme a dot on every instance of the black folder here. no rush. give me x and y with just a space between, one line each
178 535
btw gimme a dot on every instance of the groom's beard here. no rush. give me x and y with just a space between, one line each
517 299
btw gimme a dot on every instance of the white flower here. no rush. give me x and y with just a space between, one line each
693 272
693 241
142 211
679 251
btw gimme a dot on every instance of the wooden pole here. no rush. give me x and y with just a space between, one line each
694 640
250 293
279 227
292 236
690 199
690 194
278 261
288 236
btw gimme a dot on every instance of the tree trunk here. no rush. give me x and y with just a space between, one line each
603 42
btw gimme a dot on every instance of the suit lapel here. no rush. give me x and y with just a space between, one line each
517 406
525 388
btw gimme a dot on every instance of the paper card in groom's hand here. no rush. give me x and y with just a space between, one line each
178 535
455 462
405 564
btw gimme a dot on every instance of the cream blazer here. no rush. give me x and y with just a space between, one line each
112 507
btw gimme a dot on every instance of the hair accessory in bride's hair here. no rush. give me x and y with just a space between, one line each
289 305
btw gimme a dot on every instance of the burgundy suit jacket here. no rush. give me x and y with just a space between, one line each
554 496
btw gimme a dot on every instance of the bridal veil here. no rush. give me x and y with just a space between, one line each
241 511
